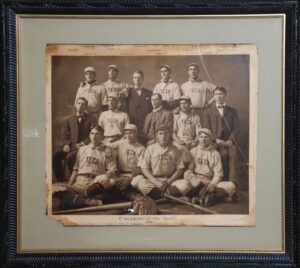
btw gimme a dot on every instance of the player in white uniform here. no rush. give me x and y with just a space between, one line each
168 89
113 86
205 171
185 128
197 89
161 166
113 121
130 154
94 169
92 91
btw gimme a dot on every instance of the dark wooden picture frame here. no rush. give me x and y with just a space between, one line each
9 166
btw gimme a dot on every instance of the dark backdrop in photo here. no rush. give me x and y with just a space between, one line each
229 71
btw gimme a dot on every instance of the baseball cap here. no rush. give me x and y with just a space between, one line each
112 66
204 130
163 128
113 95
89 69
166 66
130 127
186 98
194 64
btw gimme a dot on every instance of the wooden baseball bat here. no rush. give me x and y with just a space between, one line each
173 198
95 208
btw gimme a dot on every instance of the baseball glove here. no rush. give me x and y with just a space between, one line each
144 206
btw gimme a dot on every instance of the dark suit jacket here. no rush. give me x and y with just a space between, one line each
226 127
164 117
139 106
74 132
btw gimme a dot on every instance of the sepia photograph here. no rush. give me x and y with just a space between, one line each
151 134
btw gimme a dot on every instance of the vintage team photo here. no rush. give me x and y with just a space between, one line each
151 134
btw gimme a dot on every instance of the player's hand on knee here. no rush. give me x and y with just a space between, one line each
211 187
111 173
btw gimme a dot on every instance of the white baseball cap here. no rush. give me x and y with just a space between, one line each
89 69
113 95
130 127
204 130
112 66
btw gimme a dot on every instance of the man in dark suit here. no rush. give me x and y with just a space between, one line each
223 121
158 117
75 134
138 102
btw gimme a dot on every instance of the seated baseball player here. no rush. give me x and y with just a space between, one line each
129 155
93 172
113 121
205 173
161 166
185 128
75 134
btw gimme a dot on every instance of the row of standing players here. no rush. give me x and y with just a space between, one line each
204 134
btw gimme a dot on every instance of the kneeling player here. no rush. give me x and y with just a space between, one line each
93 172
161 166
205 172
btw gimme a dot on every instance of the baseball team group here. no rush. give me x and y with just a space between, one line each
126 140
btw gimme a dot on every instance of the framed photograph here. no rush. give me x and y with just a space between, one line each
143 134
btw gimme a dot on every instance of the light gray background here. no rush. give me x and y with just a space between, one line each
37 232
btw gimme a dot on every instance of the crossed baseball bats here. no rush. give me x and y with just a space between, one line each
126 205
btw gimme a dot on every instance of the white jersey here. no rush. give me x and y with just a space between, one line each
169 91
162 162
94 160
113 122
93 93
186 126
197 90
116 87
129 156
207 162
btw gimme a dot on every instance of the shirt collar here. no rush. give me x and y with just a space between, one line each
168 82
196 80
157 109
220 104
99 147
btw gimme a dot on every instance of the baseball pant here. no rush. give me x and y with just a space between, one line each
143 184
186 185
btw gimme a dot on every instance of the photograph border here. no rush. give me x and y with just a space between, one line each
9 152
190 50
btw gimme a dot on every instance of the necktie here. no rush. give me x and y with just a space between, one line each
221 106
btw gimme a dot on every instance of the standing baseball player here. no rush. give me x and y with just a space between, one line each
91 90
129 155
197 89
158 117
75 134
185 128
224 124
168 89
205 172
113 86
94 167
161 166
113 121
